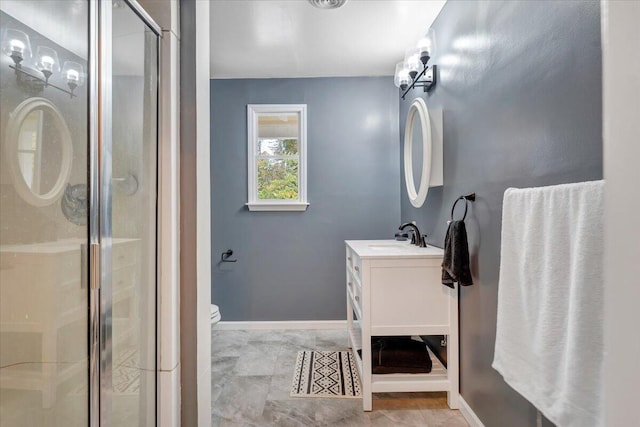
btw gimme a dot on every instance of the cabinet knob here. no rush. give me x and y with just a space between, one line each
349 258
356 268
357 298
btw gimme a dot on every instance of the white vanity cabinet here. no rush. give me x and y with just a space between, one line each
394 288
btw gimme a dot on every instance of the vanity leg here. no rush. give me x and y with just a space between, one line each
49 369
349 322
367 398
453 355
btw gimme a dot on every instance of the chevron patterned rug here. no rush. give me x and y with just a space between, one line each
325 374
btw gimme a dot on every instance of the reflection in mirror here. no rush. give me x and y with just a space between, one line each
416 152
75 203
29 149
39 151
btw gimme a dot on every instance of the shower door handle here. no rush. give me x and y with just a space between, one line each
93 259
84 261
94 265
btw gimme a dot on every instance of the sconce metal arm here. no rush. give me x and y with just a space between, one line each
430 80
20 71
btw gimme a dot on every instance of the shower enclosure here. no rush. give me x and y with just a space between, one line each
78 213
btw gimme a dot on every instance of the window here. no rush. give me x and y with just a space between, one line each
277 160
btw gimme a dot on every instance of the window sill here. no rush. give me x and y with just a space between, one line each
293 206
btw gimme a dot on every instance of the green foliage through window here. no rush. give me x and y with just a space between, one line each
278 179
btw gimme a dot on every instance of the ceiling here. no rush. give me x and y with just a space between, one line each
268 38
290 38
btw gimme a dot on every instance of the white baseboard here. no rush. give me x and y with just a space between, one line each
292 324
468 413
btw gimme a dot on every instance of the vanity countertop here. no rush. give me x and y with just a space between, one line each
392 249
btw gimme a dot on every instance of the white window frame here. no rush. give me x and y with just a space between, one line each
255 204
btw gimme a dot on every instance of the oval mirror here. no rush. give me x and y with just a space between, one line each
417 152
39 151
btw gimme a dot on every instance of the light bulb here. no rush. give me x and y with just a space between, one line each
47 62
17 46
424 44
73 76
412 59
424 47
401 78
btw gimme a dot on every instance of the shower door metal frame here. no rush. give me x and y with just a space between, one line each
100 203
94 114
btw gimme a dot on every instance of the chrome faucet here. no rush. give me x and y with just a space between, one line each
417 238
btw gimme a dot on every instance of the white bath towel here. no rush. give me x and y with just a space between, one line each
549 338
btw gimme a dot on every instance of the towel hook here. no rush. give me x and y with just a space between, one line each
469 197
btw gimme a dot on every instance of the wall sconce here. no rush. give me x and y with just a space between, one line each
17 46
414 71
73 75
47 62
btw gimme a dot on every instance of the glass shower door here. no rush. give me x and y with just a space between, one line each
78 197
133 170
43 213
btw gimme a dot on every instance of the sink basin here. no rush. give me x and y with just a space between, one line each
391 249
387 246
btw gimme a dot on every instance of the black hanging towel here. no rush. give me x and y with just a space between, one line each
455 265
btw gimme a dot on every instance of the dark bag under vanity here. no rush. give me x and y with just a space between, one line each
399 355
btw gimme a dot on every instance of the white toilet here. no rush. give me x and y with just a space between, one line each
215 314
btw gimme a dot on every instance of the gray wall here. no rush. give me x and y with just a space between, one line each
521 109
291 264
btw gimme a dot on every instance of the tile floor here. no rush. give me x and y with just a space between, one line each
252 373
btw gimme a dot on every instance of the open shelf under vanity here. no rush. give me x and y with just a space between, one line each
436 380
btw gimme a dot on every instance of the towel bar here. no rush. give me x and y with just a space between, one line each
469 197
